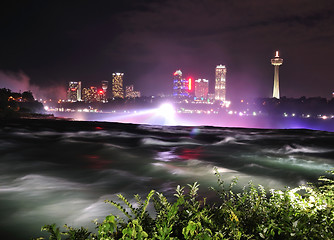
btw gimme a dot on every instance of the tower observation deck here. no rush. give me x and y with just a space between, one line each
276 61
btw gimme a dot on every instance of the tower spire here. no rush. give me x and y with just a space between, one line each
277 55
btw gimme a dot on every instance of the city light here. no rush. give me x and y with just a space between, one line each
166 110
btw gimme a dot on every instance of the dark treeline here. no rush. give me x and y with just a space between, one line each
300 107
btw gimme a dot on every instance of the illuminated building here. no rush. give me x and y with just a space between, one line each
201 88
211 96
74 91
101 96
220 84
105 86
90 94
136 94
180 85
105 90
277 61
117 85
104 96
130 93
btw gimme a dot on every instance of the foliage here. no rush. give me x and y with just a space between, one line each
70 234
305 212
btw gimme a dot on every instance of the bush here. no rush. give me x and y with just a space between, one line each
305 212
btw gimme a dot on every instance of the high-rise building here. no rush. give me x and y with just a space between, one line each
220 83
201 88
117 85
90 94
276 61
104 96
104 85
74 91
180 85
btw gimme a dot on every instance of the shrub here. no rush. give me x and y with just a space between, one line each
305 212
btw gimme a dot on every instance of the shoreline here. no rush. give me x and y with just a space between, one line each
185 120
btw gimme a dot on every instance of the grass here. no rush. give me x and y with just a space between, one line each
305 212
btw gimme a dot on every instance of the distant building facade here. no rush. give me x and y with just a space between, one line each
180 85
117 85
211 96
74 91
130 93
220 83
201 88
105 90
90 94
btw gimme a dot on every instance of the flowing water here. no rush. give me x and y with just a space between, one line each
62 171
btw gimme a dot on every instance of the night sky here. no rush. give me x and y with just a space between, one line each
48 43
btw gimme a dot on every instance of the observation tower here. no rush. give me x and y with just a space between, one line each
277 61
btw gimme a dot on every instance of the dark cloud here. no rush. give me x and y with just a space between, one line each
55 42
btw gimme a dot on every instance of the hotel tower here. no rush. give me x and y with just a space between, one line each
74 91
117 85
220 84
180 85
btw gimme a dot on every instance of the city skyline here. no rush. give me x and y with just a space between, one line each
42 51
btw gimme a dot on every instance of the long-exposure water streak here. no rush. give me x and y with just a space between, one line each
62 171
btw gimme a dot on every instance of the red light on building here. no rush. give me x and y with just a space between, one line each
73 89
189 84
101 92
